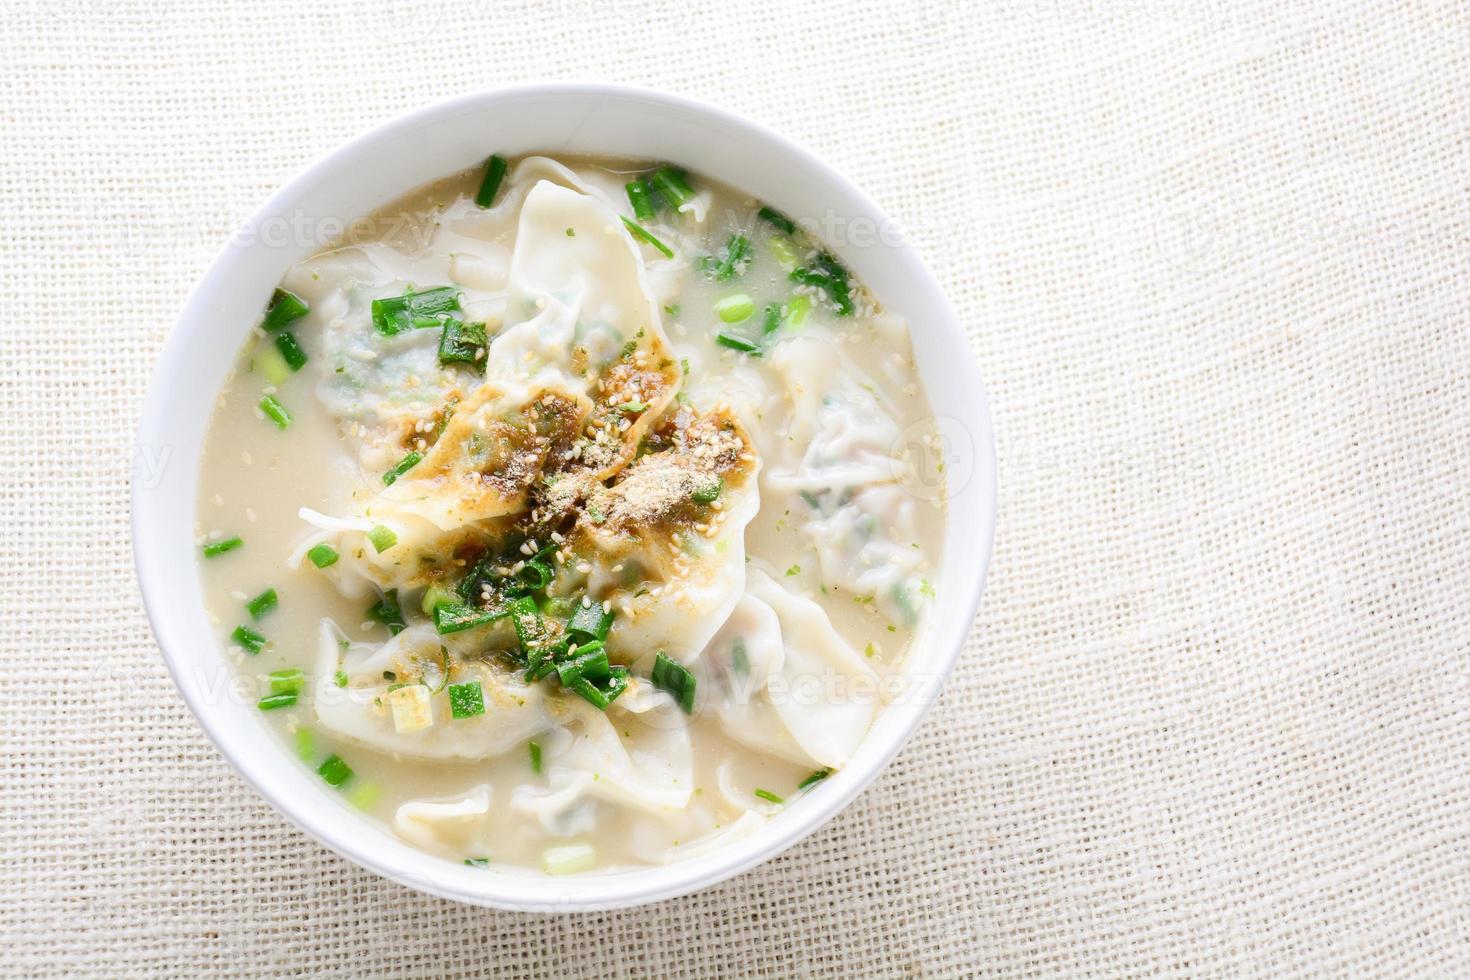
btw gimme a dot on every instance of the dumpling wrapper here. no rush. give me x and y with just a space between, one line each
818 697
452 827
514 710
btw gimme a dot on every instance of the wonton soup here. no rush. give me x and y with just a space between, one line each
571 515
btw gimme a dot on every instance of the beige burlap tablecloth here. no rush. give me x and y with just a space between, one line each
1213 261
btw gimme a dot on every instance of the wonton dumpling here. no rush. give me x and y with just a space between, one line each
453 826
817 688
638 754
514 710
683 557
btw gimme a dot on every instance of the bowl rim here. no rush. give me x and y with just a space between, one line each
526 892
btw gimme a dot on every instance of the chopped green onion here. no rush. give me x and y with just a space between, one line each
430 308
774 217
735 307
766 794
365 796
736 252
334 770
387 611
435 596
535 749
590 621
248 638
382 538
671 676
589 663
601 697
290 349
401 467
530 628
641 232
323 555
262 603
477 862
340 678
815 778
796 310
284 307
463 343
466 700
455 617
793 570
274 701
272 365
568 859
288 681
783 250
495 169
710 492
640 197
672 185
559 607
737 342
305 744
831 277
772 318
275 411
220 547
535 575
633 408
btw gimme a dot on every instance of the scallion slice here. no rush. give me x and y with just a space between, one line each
815 778
456 617
829 275
737 342
305 744
284 307
477 862
274 701
466 700
463 343
671 676
387 611
334 770
737 251
216 548
641 198
568 859
495 169
774 217
262 603
323 555
772 321
288 681
275 411
590 622
710 492
735 308
249 639
290 349
767 795
415 310
399 468
641 232
590 663
534 747
672 184
382 538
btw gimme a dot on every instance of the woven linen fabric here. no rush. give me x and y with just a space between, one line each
1212 258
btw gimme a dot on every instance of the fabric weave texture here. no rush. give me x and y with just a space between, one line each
1212 257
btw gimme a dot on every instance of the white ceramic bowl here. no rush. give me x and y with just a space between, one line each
406 153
